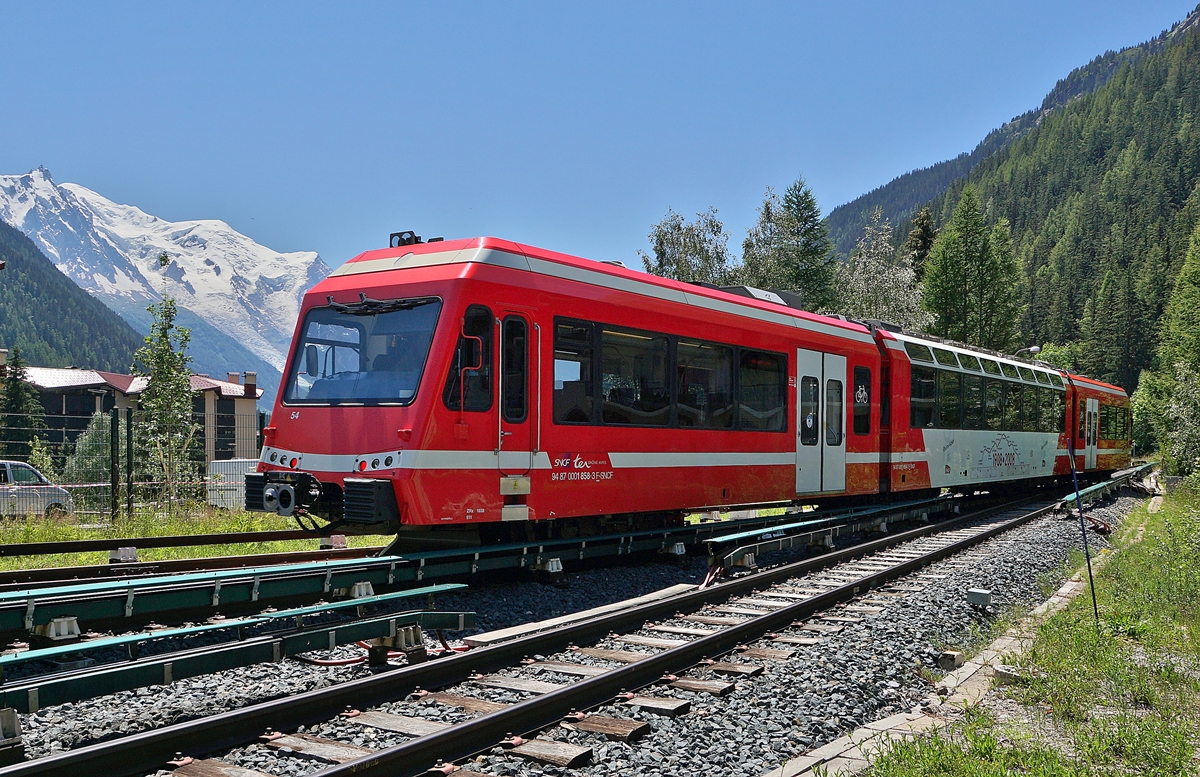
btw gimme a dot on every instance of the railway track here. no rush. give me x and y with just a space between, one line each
634 648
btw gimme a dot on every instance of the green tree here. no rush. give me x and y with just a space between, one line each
24 416
919 241
789 248
954 270
690 251
878 282
997 289
166 403
1180 339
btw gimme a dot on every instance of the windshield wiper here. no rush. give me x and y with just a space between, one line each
369 307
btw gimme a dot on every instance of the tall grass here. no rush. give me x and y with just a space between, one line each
1121 697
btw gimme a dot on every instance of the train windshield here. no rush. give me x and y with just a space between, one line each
368 353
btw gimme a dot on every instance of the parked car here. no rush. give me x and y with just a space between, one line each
25 491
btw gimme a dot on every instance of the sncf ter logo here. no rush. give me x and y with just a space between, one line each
581 461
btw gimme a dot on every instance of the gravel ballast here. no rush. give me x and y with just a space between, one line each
867 671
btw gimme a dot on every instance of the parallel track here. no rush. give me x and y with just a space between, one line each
147 751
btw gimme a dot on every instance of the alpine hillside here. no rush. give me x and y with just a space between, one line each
54 322
900 198
239 298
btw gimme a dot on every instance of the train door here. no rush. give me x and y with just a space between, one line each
1091 432
809 371
833 442
515 422
820 422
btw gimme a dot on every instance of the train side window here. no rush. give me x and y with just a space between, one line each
945 357
470 380
1046 407
704 385
1026 374
1029 408
1009 371
514 369
922 397
1042 377
1012 407
762 391
1081 428
990 367
1056 379
918 351
972 401
969 362
810 405
634 370
862 400
1060 410
949 401
833 412
574 392
993 404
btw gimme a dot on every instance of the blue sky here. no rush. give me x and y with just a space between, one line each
570 126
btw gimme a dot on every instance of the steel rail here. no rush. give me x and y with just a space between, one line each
174 541
43 576
147 751
469 737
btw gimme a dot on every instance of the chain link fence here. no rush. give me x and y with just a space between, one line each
124 460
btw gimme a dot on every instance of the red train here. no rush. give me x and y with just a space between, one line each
500 391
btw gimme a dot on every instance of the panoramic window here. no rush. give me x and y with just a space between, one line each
762 391
469 384
574 400
993 404
369 353
1012 407
945 357
923 395
633 368
810 405
1042 377
918 351
1029 408
972 401
1026 374
969 362
1009 370
862 400
704 385
949 403
990 367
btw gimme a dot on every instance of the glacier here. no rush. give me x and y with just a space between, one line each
240 298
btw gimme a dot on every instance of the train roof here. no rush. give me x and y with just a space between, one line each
517 256
1037 368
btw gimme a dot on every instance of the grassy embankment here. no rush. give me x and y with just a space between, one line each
1122 702
153 524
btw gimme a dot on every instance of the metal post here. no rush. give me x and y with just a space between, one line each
1087 553
114 460
129 461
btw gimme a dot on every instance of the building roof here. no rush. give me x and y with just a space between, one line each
226 389
66 378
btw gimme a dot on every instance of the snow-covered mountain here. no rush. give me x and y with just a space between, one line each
243 298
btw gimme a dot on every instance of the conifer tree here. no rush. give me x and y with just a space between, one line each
1180 338
789 248
689 251
997 289
919 241
954 270
21 410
